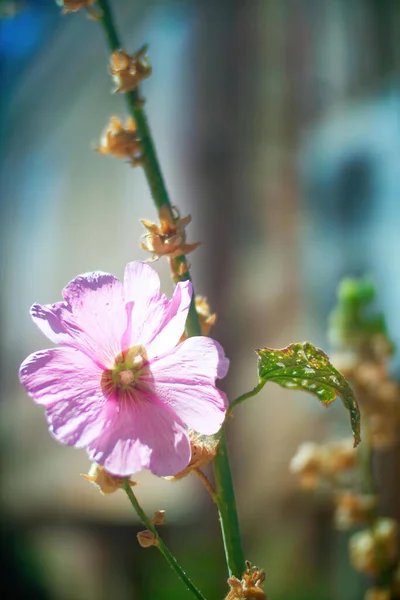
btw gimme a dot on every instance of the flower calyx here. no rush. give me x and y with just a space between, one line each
106 482
71 6
168 238
122 141
249 587
204 450
129 71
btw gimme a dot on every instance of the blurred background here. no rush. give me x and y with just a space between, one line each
277 124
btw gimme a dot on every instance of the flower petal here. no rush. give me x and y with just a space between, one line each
92 318
184 381
173 324
155 322
67 382
141 435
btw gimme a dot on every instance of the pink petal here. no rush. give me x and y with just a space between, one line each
142 435
173 325
67 382
184 381
155 322
92 318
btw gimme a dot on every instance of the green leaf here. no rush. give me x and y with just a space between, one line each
304 367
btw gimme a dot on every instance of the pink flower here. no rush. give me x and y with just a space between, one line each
119 385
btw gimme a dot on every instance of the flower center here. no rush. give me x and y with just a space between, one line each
126 377
127 369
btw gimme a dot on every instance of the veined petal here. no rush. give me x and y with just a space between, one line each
68 383
184 381
92 318
173 324
141 435
154 321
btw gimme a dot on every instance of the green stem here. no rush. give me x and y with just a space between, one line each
244 397
171 560
225 499
224 487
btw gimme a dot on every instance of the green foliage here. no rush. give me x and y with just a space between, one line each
302 366
353 321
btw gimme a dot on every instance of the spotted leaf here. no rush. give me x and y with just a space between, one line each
304 367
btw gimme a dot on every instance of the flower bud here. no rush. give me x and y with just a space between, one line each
159 517
146 539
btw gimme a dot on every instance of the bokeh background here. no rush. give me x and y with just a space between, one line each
277 124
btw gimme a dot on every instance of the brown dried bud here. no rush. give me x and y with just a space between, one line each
159 517
314 462
106 482
204 449
353 509
306 463
70 6
128 71
146 539
249 587
121 141
377 594
338 456
168 238
373 550
207 320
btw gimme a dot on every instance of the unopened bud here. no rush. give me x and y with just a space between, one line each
146 538
159 517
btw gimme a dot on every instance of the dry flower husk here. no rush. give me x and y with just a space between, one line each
316 462
129 71
168 238
249 587
71 6
121 141
373 550
206 319
204 449
353 509
106 482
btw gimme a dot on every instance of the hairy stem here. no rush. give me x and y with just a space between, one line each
224 487
171 560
